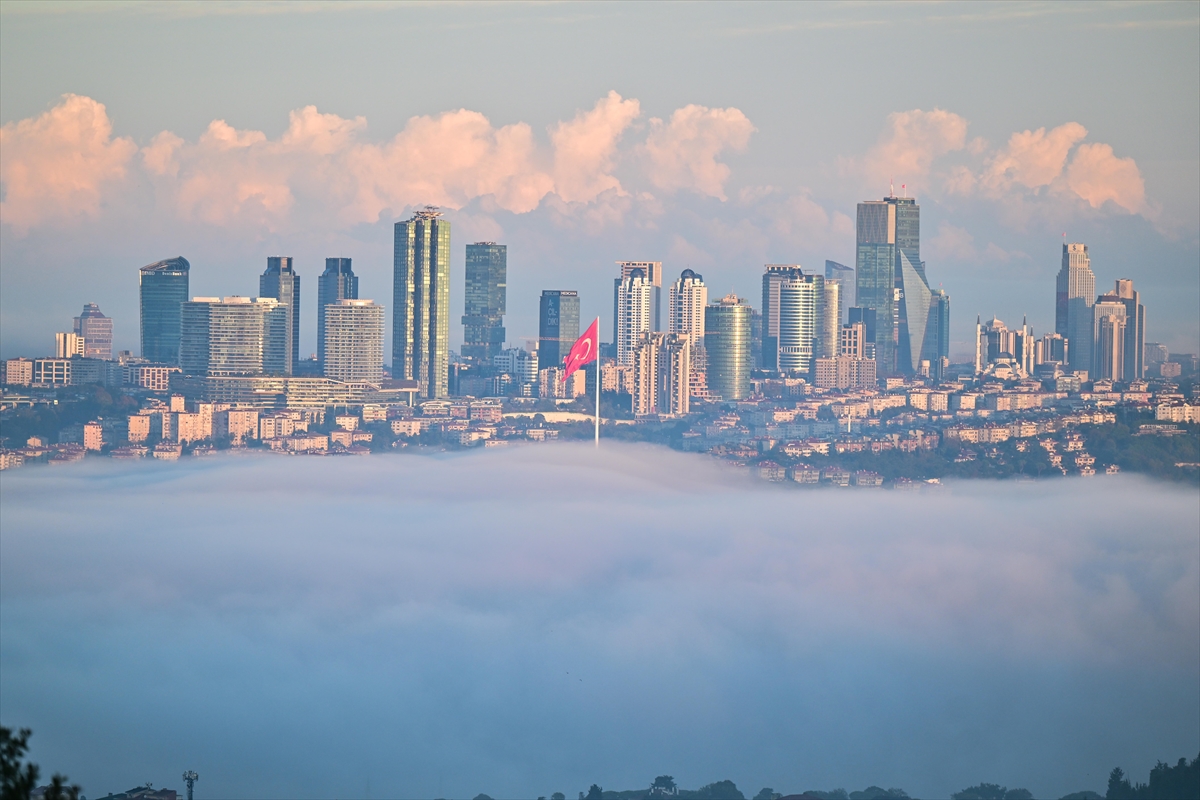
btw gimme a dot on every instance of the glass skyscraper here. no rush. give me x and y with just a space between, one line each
484 304
337 282
558 326
234 336
163 289
97 332
727 342
1075 291
281 282
845 275
421 302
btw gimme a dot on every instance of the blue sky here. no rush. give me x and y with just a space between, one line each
738 135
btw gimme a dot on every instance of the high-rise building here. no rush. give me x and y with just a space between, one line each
484 304
652 273
937 337
354 341
727 343
890 278
163 289
69 345
796 326
97 332
558 325
520 365
234 336
1109 323
337 282
281 282
661 375
686 301
1051 348
421 302
845 276
1135 330
634 314
1075 288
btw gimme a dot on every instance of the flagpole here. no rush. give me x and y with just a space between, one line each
598 378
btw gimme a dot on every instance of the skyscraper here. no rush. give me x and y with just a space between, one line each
281 282
1075 288
937 336
354 341
727 342
844 275
337 282
661 375
686 302
163 289
484 304
794 319
652 272
558 326
1109 323
421 302
234 336
890 278
1135 330
634 314
97 332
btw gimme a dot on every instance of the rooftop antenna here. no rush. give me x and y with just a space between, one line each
904 188
190 777
891 187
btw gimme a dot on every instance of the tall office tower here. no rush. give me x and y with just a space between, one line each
727 342
97 332
828 318
281 282
1051 347
558 326
1135 330
163 289
634 313
234 336
661 375
888 268
69 345
645 363
793 319
1076 286
652 271
686 302
844 275
421 302
937 336
337 282
1108 320
484 305
354 341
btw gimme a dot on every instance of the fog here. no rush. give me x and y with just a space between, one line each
536 619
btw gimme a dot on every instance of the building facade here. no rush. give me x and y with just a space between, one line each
1075 287
234 336
337 282
96 331
845 276
652 274
558 325
421 302
1109 324
281 282
727 343
354 341
162 291
686 302
485 300
1135 330
68 345
799 319
634 314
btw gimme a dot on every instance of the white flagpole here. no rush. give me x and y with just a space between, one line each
598 377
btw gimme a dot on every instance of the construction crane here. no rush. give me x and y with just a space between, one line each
190 777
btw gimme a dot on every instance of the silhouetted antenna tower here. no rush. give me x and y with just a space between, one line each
190 778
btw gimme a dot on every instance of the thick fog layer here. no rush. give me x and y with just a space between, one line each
524 621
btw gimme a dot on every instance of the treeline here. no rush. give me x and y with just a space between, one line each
1166 783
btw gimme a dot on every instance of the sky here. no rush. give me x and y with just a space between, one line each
715 137
537 619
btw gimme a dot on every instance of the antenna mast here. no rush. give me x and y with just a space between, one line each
190 777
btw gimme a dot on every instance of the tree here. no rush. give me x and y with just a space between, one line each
595 792
558 796
984 791
721 790
17 780
766 793
1118 786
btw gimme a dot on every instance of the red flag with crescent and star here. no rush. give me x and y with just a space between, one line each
584 351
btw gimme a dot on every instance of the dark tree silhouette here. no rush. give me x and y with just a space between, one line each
17 779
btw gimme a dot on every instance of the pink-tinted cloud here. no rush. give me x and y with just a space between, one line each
682 153
910 143
1097 176
585 147
60 163
1033 158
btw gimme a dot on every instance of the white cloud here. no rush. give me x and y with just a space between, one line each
682 154
585 148
1097 176
1033 158
61 163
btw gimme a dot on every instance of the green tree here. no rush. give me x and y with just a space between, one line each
595 792
721 790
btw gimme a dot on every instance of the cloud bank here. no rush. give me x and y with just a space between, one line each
531 621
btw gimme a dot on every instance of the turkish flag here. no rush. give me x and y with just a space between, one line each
585 350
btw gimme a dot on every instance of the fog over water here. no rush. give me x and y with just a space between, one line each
536 619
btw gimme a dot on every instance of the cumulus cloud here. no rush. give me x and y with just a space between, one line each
910 143
584 148
1098 176
682 153
60 163
477 622
1033 158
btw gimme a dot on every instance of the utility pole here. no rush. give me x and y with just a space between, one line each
190 778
